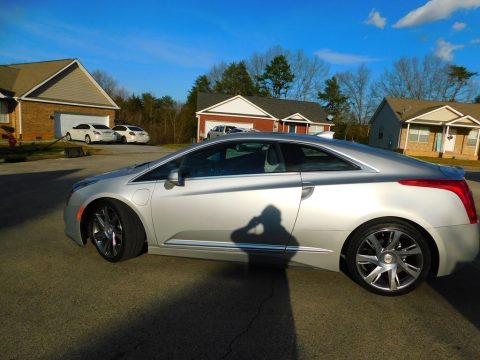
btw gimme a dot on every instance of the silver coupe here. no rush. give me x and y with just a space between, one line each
385 219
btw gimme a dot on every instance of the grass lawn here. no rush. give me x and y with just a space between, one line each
450 162
35 151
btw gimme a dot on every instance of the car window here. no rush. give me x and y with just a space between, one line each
160 172
306 158
97 126
233 158
135 128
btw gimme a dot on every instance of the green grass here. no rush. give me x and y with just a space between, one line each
176 146
450 162
32 151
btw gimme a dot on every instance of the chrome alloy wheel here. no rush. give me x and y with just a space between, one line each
389 260
107 231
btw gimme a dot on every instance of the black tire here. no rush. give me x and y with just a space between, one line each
87 139
124 140
115 230
68 137
388 257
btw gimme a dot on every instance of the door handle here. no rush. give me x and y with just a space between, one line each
307 190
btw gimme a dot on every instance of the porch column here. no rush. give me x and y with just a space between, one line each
476 144
442 146
445 138
406 138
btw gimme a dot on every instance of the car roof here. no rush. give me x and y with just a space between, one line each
382 161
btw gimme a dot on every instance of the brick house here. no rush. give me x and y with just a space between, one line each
427 128
259 113
42 100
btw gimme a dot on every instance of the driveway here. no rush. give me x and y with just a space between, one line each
61 301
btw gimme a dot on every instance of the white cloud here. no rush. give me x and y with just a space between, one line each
344 59
459 26
445 49
375 19
435 10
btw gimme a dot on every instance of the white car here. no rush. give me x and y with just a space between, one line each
91 133
131 133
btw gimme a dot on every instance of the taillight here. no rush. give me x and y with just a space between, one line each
459 187
132 133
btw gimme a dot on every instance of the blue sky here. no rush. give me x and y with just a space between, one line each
162 46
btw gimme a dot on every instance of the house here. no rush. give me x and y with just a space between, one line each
259 113
42 100
427 128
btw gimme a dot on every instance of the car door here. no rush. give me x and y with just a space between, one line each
233 197
334 191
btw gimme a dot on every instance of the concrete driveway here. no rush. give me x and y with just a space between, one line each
61 301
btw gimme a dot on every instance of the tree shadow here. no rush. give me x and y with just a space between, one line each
33 194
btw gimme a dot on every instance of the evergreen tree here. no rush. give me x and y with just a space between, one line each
333 100
459 77
236 81
277 78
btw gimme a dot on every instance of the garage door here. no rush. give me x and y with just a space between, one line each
211 124
64 122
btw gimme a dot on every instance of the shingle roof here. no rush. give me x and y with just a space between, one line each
406 109
278 108
18 79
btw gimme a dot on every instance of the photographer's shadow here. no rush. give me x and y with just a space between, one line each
264 239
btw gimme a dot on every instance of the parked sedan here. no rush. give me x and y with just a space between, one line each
131 134
289 199
91 133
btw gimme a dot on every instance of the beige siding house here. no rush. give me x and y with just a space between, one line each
42 100
427 128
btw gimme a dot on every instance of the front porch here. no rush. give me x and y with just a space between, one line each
458 139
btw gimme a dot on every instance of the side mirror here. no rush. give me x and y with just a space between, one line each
175 178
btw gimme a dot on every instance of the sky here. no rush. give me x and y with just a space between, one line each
163 46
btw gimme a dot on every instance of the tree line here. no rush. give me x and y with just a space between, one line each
350 97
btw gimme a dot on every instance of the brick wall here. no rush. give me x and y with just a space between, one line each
258 124
38 119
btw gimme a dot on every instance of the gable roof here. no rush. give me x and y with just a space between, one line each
63 81
406 109
279 108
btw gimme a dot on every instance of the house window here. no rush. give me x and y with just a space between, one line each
380 133
472 138
419 134
3 112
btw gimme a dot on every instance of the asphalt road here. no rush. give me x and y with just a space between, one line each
61 301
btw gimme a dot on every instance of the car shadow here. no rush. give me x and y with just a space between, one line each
462 290
33 194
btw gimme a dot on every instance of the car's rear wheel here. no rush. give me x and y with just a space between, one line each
388 258
124 140
87 139
115 230
68 137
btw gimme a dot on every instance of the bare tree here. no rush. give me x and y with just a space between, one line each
430 78
357 87
106 81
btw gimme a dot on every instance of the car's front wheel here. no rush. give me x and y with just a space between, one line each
68 137
124 140
87 139
115 230
388 257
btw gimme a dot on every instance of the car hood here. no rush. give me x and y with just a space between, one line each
129 170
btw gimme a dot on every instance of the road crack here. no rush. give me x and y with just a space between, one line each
252 320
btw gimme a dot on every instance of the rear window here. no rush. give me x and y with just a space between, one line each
104 127
135 128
